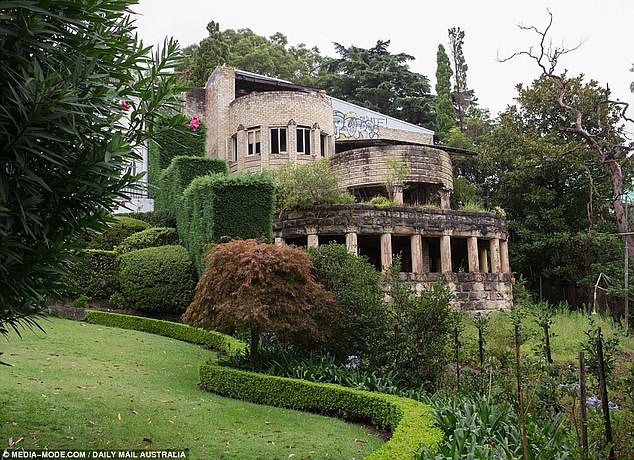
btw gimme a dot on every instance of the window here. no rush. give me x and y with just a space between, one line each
303 140
278 140
253 141
234 147
323 143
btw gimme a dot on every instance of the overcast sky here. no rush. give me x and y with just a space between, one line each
490 28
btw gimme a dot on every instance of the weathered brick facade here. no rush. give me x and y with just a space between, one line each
257 123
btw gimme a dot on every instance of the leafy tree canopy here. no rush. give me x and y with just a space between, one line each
245 50
261 287
557 196
78 93
379 80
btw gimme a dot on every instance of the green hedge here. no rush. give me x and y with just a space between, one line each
411 422
181 171
95 275
219 206
179 331
170 143
158 218
148 238
157 279
116 233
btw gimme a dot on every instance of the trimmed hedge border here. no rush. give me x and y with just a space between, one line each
410 421
179 331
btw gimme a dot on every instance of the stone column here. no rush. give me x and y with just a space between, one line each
291 141
352 243
472 251
445 254
484 261
313 237
417 253
386 251
494 247
279 241
504 256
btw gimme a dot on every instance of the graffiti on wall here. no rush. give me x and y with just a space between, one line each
351 125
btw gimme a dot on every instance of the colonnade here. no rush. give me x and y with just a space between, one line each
485 255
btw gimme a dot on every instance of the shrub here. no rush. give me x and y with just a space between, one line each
382 202
219 207
179 331
95 274
116 233
357 286
167 145
157 279
409 421
150 237
259 287
421 325
181 171
158 218
305 186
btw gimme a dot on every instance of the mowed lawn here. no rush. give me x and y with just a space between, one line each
83 386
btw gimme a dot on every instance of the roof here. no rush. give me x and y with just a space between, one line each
263 83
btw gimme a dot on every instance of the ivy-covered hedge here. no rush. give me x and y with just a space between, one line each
116 233
168 144
95 274
212 339
219 206
148 238
411 422
158 218
157 279
181 171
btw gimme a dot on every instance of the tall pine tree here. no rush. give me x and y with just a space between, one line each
462 96
445 115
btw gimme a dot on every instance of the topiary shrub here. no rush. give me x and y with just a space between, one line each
219 207
148 238
212 339
181 171
158 279
411 422
158 218
167 144
116 233
95 275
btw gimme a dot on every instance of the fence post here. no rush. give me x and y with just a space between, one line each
518 370
604 395
582 406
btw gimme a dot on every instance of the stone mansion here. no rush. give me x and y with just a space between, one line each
256 123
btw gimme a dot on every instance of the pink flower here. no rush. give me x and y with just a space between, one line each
194 123
124 105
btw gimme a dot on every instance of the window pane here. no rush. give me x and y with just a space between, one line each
307 142
275 144
282 139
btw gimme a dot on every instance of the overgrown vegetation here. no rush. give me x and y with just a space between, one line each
300 187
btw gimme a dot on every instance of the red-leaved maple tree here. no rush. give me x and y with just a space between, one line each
262 287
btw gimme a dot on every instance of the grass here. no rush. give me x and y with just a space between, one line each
83 386
569 329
